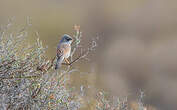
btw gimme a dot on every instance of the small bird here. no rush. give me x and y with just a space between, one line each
63 50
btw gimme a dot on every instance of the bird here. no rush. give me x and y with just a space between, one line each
63 50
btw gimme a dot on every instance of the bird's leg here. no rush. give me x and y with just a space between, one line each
67 61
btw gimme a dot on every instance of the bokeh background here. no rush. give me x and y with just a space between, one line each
137 46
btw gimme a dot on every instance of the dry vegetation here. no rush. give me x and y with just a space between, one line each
29 82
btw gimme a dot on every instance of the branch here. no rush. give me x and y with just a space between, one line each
20 77
36 92
75 60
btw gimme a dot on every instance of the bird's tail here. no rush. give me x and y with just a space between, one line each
58 63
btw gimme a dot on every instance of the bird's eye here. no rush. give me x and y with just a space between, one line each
68 39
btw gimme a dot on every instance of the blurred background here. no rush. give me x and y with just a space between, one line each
137 46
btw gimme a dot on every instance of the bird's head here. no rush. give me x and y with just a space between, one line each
66 39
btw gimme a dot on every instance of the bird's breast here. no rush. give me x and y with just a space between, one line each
66 50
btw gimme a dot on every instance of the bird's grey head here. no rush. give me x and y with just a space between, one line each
66 39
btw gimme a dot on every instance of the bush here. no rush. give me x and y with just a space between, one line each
29 82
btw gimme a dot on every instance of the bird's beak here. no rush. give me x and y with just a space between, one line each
71 39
